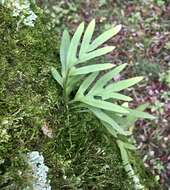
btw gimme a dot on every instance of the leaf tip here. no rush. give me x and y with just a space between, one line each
118 28
152 117
82 24
140 78
112 48
110 65
130 99
93 21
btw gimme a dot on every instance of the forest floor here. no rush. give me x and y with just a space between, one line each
143 43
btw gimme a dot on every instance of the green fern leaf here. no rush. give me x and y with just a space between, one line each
73 48
90 69
65 43
105 118
117 96
96 53
139 114
100 83
86 83
87 38
57 76
73 83
104 37
121 85
102 104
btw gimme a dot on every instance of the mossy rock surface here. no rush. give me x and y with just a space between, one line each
80 155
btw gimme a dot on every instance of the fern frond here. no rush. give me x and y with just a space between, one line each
96 93
128 167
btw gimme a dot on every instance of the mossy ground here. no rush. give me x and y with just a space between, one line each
81 154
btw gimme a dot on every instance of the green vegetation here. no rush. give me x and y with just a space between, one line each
80 154
95 93
143 43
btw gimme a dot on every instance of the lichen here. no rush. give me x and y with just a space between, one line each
80 155
22 10
39 172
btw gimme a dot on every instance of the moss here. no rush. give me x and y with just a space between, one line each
84 154
80 155
26 91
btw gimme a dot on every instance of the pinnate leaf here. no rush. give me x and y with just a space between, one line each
104 37
103 105
100 83
105 118
65 43
96 53
73 48
57 76
87 38
117 96
90 69
121 85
